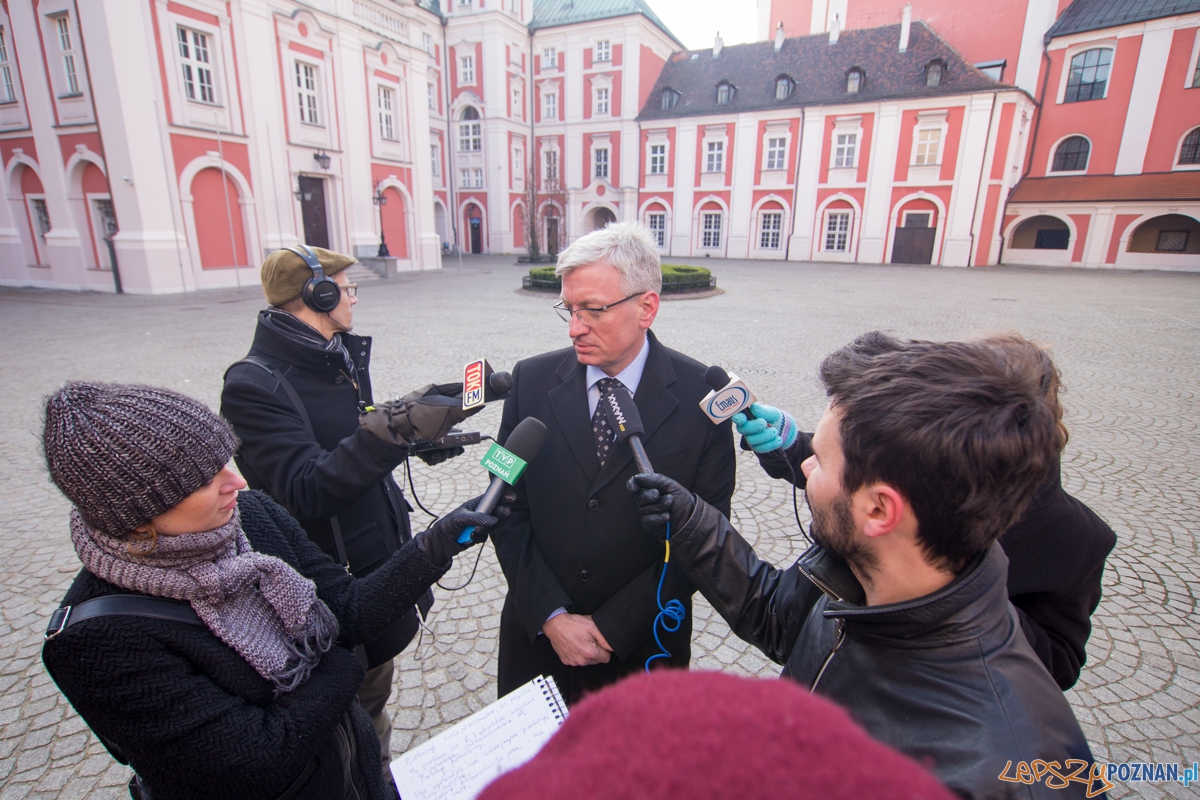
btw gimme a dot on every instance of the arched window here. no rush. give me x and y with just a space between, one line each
725 92
783 87
1189 151
933 73
1072 155
1089 75
854 81
470 130
669 98
1169 233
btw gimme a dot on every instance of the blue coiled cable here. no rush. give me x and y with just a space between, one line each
671 615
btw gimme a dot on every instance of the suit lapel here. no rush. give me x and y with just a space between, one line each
654 401
569 401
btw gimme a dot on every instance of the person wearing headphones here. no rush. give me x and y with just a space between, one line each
314 440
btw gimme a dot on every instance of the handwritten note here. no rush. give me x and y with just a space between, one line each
458 763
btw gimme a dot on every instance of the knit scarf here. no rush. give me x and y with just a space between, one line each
257 604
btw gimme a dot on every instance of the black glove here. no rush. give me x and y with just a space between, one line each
660 500
435 457
423 415
440 541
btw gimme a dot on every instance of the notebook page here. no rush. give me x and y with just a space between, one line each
458 763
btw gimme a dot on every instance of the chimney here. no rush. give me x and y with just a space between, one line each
835 29
905 25
779 37
718 45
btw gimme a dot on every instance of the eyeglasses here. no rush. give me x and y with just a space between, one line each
588 316
351 289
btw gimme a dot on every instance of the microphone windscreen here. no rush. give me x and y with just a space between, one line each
526 439
716 378
622 414
498 385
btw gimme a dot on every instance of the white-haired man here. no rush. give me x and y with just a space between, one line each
582 578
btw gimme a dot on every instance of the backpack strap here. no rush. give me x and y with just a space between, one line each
122 605
339 544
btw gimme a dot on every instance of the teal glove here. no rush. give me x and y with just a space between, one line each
770 429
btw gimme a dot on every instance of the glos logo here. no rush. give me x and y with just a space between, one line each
725 403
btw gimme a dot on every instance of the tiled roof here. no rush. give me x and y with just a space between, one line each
1091 15
552 13
818 69
1159 186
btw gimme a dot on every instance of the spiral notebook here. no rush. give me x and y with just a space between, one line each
458 763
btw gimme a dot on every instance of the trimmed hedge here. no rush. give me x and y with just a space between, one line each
676 278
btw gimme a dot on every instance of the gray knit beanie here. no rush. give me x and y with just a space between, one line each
124 454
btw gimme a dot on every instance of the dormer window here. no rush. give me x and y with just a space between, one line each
783 87
669 98
933 73
725 92
854 81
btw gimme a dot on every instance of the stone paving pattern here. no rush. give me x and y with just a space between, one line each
1126 343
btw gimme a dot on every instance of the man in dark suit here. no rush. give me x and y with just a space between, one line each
582 578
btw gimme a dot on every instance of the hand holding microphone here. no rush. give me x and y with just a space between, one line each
427 414
766 428
443 540
661 500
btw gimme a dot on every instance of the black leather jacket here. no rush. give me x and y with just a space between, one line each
948 679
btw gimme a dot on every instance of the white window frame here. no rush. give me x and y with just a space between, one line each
435 157
551 168
602 104
924 212
657 233
8 86
516 102
427 43
603 51
1070 53
846 233
518 162
464 179
550 58
657 162
710 229
927 147
431 96
477 178
714 156
550 105
845 150
308 97
770 238
775 152
66 52
385 104
466 70
928 121
35 227
196 63
600 163
470 135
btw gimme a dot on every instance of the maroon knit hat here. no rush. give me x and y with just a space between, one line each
704 735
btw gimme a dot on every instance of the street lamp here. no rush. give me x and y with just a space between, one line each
322 159
381 201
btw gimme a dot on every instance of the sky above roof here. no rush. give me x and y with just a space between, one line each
696 22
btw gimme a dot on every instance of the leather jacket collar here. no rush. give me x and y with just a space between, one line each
971 604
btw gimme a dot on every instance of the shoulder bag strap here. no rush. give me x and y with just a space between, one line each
122 605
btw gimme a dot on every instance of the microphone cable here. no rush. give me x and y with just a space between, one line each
413 492
670 616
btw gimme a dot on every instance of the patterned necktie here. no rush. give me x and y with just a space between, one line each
602 432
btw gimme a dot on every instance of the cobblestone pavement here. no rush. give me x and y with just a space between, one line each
1126 343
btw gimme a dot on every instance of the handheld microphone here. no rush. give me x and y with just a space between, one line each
482 385
507 463
622 414
729 395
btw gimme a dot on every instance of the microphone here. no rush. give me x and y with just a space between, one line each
729 395
507 463
482 385
622 414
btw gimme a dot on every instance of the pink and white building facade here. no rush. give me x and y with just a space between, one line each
184 139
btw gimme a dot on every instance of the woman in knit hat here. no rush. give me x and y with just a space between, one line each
255 696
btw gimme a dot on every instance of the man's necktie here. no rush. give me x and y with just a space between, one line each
602 432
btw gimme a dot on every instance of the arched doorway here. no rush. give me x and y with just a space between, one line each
602 216
551 218
220 234
439 223
474 228
518 223
395 223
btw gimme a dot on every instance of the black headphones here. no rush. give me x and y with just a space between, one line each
321 293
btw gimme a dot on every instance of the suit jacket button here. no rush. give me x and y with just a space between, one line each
338 379
593 504
584 575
